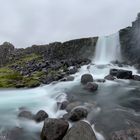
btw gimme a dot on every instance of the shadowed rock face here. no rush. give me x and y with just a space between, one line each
54 129
80 131
130 42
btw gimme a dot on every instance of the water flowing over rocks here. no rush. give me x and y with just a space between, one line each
80 131
54 129
130 134
91 86
26 114
12 134
63 105
136 77
110 77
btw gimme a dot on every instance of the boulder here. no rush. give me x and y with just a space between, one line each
110 77
26 114
113 72
80 131
86 78
124 74
78 114
62 105
121 74
90 86
72 105
136 77
40 116
54 129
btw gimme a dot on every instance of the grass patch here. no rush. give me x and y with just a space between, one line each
9 78
23 60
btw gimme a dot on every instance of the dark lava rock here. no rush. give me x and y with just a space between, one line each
86 78
78 114
54 129
25 114
80 131
110 77
121 74
90 86
62 105
73 70
130 134
136 77
129 39
124 74
72 105
41 116
114 72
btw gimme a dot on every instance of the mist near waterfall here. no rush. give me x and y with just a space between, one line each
107 49
24 23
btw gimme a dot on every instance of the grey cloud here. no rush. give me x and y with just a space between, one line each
24 23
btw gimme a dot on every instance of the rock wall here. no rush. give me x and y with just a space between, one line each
79 48
130 42
6 49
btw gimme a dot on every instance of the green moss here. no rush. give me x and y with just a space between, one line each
30 82
23 60
38 74
9 78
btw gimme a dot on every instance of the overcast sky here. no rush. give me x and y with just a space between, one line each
28 22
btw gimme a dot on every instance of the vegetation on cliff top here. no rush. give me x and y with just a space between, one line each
10 78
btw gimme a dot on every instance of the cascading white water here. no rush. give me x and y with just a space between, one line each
107 49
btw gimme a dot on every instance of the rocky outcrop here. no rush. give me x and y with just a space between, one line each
6 49
43 64
80 131
78 48
130 42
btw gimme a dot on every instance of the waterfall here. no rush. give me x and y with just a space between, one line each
107 49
